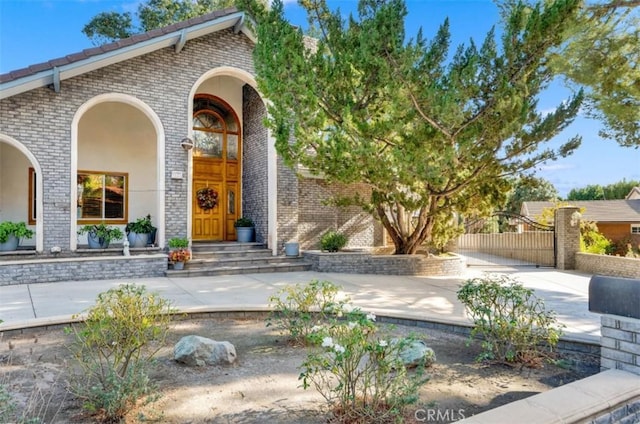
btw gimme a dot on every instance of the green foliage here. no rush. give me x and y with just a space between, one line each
360 375
429 132
18 229
333 241
299 308
102 232
529 189
243 221
514 325
106 27
7 404
178 243
140 226
618 190
592 240
601 53
114 347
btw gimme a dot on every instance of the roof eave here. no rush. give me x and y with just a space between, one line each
47 77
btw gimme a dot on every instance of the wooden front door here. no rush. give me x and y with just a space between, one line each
216 165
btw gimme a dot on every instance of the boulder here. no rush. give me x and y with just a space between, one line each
199 351
415 352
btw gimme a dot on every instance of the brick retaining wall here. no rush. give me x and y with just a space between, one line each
366 263
615 266
620 343
81 268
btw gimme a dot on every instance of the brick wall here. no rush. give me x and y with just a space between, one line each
41 119
615 266
366 263
620 343
81 268
254 156
316 217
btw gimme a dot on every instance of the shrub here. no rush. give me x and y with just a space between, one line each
298 308
114 346
333 241
178 243
513 322
592 240
17 229
360 375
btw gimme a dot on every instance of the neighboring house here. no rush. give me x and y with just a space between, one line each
99 136
617 220
633 194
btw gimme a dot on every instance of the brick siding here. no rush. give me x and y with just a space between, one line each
81 268
615 266
366 263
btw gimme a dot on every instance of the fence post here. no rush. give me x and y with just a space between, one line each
567 223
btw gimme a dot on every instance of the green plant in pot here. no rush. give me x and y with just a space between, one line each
11 233
100 235
139 232
245 230
178 243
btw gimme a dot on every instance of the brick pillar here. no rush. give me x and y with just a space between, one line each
567 222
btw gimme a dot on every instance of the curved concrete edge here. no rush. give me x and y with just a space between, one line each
239 311
572 403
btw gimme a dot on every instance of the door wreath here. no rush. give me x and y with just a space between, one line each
207 198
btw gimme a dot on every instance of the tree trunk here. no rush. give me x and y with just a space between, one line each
410 243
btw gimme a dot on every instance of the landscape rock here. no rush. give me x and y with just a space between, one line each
199 351
416 352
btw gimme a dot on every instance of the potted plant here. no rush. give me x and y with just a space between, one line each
11 233
178 257
100 235
139 232
245 230
178 243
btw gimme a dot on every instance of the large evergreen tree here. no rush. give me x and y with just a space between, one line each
431 134
603 54
106 27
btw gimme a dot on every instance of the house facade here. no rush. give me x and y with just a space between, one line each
105 135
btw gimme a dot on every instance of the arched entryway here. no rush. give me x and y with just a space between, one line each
217 166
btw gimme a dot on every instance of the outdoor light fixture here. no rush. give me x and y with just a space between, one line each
186 144
575 218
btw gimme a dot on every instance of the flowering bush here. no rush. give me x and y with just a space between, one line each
297 309
179 255
207 198
362 376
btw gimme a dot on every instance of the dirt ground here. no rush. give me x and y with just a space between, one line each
262 386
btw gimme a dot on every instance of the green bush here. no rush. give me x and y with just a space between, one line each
361 376
18 229
114 347
178 243
297 309
514 324
592 240
333 241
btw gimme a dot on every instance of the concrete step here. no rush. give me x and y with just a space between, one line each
228 254
224 246
196 262
245 269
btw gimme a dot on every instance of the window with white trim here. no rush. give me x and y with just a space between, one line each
635 228
102 197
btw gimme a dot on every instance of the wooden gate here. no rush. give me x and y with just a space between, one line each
507 239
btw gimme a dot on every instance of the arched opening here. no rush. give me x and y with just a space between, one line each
21 192
217 165
117 167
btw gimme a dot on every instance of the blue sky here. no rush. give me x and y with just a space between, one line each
33 31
